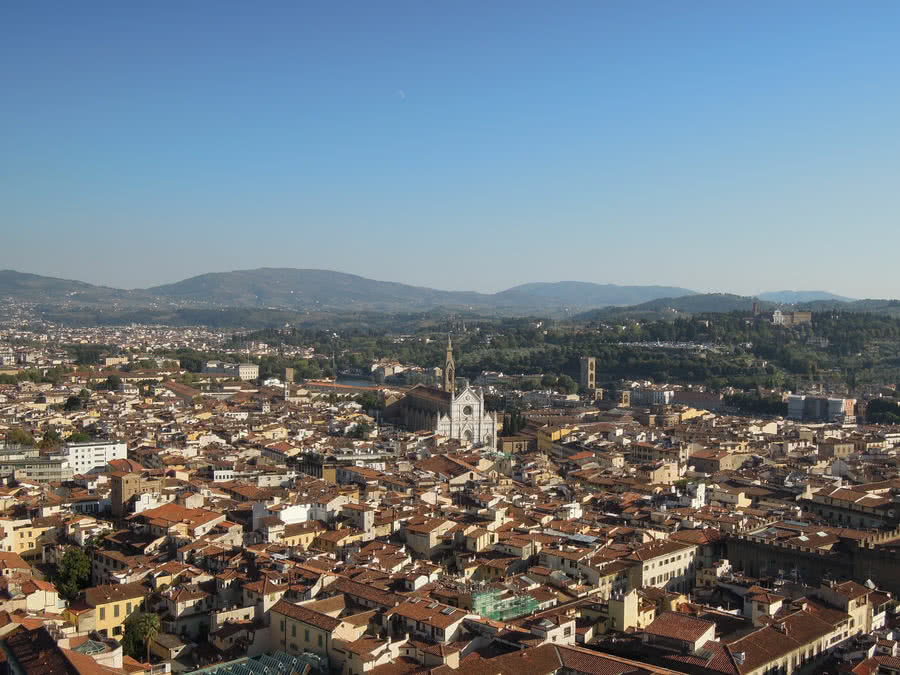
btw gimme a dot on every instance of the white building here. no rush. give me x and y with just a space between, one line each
94 455
243 371
289 514
147 500
462 415
222 475
248 371
649 396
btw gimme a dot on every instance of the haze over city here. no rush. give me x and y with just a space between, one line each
476 146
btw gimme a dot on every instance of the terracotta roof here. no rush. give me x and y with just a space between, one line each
333 605
769 644
678 626
430 393
305 615
38 654
364 647
699 537
101 595
656 550
431 613
9 560
550 658
851 589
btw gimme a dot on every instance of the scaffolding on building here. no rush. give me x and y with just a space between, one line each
497 605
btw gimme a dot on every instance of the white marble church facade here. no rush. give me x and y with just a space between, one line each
455 415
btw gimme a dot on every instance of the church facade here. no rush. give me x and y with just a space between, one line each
459 415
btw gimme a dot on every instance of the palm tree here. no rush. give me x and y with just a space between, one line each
147 629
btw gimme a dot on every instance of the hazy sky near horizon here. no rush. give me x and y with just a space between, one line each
737 147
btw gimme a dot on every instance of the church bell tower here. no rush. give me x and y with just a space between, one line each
449 369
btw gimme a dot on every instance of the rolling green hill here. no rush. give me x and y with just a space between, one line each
322 290
701 303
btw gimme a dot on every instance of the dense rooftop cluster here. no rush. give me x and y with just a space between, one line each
300 527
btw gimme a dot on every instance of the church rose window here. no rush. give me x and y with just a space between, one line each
467 410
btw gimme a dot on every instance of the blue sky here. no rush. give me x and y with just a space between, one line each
469 145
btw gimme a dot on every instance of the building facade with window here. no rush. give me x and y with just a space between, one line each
459 415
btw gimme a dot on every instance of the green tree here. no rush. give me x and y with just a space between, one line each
370 401
567 384
93 543
140 629
113 382
361 430
19 437
549 380
512 424
73 572
73 403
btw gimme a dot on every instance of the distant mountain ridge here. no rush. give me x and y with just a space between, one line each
699 303
794 297
286 287
313 289
712 303
36 288
588 294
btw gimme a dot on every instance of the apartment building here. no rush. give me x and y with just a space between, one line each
243 371
297 629
27 537
301 535
820 408
93 456
652 396
425 619
38 469
650 452
105 608
835 448
424 538
669 565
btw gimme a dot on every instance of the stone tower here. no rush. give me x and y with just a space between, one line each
588 372
449 369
